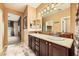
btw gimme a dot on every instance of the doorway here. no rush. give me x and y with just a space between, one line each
14 29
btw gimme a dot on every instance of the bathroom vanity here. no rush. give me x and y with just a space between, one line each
46 45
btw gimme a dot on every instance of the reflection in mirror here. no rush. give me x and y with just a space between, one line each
64 23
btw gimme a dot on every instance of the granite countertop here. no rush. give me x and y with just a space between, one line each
66 42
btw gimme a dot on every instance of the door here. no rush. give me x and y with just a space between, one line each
30 41
65 24
56 50
50 49
33 43
43 48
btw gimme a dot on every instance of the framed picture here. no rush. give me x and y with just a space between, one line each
25 22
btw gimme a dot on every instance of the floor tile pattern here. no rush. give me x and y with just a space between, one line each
18 50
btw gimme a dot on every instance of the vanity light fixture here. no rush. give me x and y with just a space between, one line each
48 9
55 8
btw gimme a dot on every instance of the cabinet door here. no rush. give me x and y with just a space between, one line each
50 49
33 43
56 50
30 41
37 46
43 48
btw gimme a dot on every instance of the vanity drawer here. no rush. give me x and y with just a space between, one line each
37 48
37 43
37 39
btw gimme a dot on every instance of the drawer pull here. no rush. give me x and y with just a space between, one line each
49 44
46 42
36 39
36 43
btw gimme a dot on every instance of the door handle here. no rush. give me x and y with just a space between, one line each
50 44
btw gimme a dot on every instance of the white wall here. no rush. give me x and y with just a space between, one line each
1 29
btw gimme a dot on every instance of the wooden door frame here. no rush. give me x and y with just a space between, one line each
5 15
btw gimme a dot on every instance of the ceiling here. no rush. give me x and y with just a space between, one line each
20 6
47 11
13 17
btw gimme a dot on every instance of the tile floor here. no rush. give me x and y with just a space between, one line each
17 50
13 40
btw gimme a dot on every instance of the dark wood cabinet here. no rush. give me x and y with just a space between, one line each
50 49
33 43
30 41
45 48
56 50
37 46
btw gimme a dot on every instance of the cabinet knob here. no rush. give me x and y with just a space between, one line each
46 42
49 44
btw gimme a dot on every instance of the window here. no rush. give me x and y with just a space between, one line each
64 24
